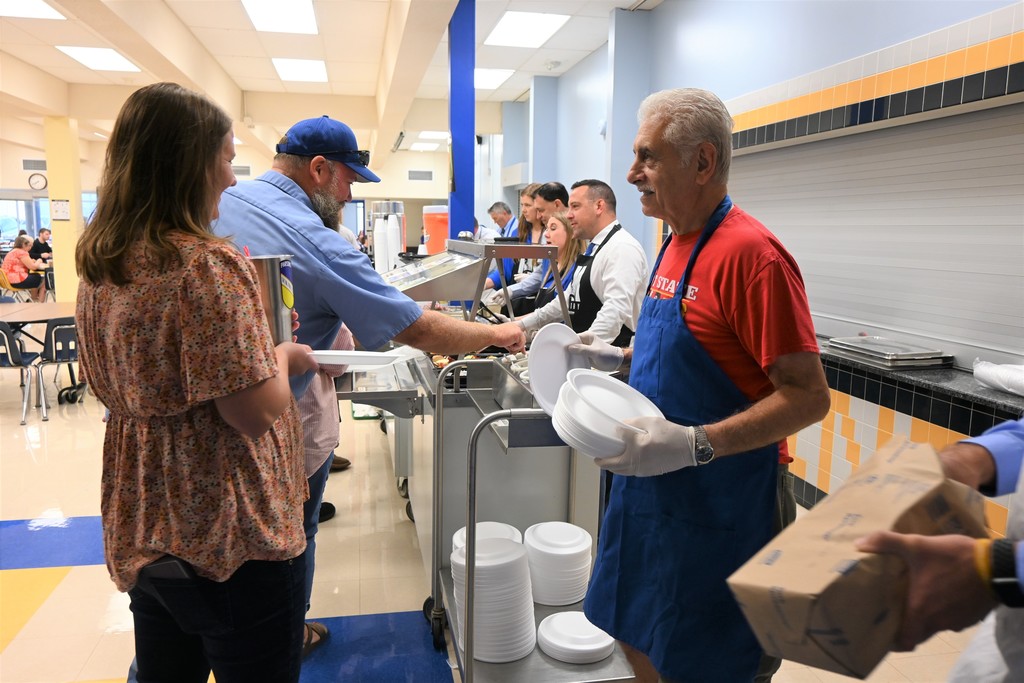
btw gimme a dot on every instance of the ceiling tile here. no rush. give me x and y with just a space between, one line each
248 68
224 14
292 46
237 43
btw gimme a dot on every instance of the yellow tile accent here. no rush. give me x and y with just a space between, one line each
823 480
24 591
919 430
884 86
935 69
995 517
853 453
847 425
1017 47
869 87
998 52
828 424
956 65
798 467
886 420
938 436
825 452
791 442
883 438
976 58
917 77
841 95
842 403
956 436
901 79
828 96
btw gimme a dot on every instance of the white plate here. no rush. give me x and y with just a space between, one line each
612 398
368 358
550 362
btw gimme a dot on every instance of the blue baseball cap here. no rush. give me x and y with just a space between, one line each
330 139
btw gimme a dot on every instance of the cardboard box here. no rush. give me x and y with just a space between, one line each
810 597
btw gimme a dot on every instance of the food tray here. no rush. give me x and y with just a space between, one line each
888 349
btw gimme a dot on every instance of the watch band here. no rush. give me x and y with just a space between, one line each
1004 581
703 452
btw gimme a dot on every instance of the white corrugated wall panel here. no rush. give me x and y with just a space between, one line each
914 232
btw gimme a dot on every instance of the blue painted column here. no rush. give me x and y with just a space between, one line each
630 65
462 115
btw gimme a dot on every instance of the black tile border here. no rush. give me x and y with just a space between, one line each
965 414
1004 80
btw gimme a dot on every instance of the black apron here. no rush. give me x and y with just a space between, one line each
583 311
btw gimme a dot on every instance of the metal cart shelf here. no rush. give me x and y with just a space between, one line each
505 425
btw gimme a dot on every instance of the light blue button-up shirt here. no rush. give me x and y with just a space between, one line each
334 282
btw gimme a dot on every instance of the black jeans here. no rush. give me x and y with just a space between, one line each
248 628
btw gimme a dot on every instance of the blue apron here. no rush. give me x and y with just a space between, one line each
669 542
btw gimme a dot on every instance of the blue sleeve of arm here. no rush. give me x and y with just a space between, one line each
1019 548
1006 444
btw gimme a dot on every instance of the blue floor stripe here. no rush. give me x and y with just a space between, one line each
46 542
377 648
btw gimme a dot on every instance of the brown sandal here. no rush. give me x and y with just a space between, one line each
313 629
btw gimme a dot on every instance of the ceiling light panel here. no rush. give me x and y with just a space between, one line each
99 58
433 135
282 16
525 29
28 9
301 70
489 79
424 146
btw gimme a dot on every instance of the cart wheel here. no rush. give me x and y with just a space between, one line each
437 633
408 511
80 390
383 425
428 607
64 395
403 488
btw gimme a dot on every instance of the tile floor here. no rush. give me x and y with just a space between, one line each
67 623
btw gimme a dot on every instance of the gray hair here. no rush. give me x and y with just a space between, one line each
694 116
499 206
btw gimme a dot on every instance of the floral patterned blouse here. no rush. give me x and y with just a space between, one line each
14 266
177 479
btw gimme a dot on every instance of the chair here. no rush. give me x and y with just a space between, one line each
11 356
60 347
21 295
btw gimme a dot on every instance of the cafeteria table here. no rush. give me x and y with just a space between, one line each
20 315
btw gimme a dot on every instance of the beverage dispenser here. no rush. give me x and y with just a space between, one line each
435 228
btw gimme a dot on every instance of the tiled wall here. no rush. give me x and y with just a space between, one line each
868 409
975 60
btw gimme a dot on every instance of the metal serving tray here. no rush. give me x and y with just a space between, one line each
887 349
904 363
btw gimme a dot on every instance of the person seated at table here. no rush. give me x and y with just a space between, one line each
18 267
41 249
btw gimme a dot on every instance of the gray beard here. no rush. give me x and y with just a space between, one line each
327 208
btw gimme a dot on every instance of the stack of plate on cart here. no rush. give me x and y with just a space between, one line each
503 620
591 408
886 353
487 530
570 637
559 562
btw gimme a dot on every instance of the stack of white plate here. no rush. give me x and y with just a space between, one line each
503 620
570 637
559 562
592 406
487 530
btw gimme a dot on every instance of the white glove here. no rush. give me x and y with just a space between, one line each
600 354
662 447
495 299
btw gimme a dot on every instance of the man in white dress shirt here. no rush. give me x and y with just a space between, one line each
607 288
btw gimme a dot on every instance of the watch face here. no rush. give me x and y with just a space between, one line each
37 181
704 455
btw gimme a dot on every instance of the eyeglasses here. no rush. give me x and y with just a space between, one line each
360 155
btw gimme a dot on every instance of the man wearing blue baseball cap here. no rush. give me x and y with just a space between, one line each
285 211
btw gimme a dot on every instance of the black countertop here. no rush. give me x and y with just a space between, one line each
957 383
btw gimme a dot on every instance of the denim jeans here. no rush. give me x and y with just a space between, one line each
248 628
311 519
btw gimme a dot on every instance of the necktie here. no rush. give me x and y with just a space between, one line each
590 248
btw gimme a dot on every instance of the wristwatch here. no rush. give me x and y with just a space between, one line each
1005 584
703 451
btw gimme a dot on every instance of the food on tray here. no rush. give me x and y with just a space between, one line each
440 361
